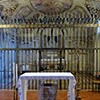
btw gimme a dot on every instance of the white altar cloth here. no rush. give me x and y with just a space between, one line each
23 79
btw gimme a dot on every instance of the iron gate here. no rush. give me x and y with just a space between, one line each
49 44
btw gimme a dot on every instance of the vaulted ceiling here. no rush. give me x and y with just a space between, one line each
29 8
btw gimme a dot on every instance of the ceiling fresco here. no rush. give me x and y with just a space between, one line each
26 8
51 6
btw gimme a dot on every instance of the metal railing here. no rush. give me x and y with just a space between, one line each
57 44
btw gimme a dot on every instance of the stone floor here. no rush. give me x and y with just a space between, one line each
61 95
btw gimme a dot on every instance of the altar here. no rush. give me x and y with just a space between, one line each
53 63
23 80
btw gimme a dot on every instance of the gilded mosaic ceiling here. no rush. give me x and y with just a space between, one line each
26 8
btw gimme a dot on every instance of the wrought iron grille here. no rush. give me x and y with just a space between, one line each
49 44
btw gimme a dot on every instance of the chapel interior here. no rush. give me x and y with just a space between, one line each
50 36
